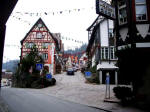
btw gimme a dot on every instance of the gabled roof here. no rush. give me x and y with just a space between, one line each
40 20
96 21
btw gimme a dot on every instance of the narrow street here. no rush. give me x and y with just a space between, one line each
70 94
25 100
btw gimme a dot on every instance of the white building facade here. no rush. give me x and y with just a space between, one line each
101 41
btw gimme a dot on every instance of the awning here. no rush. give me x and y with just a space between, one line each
106 66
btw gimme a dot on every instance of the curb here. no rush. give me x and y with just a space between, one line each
100 108
111 101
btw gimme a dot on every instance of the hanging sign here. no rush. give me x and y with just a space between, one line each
105 9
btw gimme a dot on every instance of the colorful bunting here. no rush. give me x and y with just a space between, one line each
51 12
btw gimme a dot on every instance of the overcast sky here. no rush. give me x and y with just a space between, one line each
71 18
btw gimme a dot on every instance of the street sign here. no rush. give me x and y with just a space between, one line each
105 9
39 66
49 76
88 74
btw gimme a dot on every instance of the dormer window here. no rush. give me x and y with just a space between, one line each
122 12
141 10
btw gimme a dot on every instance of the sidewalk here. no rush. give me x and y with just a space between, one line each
74 88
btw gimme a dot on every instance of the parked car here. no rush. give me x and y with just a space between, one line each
74 69
70 71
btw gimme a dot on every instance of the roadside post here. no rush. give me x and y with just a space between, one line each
39 67
107 93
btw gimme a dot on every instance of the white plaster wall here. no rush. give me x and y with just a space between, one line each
123 33
93 60
104 33
143 29
111 24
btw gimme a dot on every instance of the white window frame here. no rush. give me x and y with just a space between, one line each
112 53
106 53
45 56
140 4
124 20
103 53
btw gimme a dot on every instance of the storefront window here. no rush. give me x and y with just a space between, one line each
141 10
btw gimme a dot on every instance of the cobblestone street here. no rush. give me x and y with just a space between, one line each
74 88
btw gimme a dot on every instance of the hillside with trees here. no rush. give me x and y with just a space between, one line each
77 51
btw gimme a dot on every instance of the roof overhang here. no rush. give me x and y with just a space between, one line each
106 67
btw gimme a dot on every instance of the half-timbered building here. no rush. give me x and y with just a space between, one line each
132 30
46 42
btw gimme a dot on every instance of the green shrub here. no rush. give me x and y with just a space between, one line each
43 82
94 78
124 94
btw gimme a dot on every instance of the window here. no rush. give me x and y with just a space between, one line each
39 35
110 32
39 25
112 53
141 10
105 53
45 45
29 45
122 12
45 56
102 53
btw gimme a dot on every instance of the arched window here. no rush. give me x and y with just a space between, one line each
141 10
